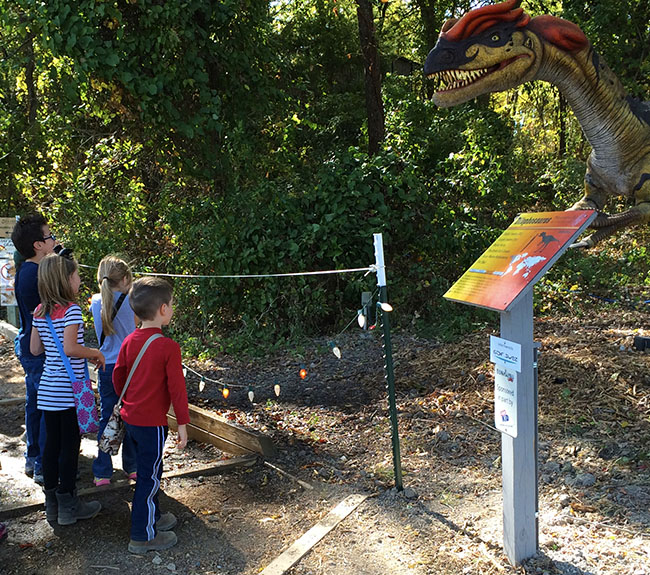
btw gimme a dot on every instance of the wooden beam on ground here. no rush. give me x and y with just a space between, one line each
198 434
12 401
302 546
231 435
213 468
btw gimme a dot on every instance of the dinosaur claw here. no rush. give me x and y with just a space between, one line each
586 243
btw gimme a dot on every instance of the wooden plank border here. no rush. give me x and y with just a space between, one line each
219 467
224 434
302 546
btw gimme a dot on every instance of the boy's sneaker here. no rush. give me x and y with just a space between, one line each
101 481
162 540
38 478
29 470
166 522
133 476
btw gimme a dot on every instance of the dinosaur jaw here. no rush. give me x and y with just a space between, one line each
460 85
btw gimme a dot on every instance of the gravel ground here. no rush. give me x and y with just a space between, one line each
332 431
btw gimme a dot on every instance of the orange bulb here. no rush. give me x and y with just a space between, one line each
303 373
225 392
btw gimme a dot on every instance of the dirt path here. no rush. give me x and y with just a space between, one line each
332 431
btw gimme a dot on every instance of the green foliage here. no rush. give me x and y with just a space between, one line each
227 138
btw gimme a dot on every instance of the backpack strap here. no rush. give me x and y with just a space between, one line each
135 364
64 357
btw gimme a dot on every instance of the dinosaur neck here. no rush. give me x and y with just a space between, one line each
596 97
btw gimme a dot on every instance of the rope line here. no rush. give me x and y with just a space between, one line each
368 269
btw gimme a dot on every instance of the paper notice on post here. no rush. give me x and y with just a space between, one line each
505 400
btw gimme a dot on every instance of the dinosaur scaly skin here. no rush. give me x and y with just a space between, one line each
498 47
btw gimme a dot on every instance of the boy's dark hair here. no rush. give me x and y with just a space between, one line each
148 294
28 229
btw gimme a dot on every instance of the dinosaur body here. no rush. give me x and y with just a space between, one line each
495 48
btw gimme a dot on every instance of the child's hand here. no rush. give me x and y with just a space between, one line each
181 439
98 359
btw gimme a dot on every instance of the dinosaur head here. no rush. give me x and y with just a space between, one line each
494 48
488 50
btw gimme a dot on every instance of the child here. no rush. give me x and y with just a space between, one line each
157 381
33 241
58 284
114 320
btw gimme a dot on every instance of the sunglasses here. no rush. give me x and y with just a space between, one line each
63 252
50 237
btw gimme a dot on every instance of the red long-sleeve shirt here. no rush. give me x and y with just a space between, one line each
157 382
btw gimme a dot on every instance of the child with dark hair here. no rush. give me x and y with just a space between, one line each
33 241
156 383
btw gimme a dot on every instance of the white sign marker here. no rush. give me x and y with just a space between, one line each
505 353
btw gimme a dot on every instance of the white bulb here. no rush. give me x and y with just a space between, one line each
201 385
386 306
276 388
362 320
336 351
251 395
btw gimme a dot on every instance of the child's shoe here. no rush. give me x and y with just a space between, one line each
162 540
166 522
101 481
71 508
133 476
51 505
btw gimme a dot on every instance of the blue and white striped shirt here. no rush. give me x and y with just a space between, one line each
55 388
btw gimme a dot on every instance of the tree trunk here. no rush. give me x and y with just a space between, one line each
32 95
431 25
374 103
562 128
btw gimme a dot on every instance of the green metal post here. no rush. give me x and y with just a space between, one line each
388 356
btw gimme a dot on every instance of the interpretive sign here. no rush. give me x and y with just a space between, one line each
518 258
7 270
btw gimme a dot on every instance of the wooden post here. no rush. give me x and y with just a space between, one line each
519 454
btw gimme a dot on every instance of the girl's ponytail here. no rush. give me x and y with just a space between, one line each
112 270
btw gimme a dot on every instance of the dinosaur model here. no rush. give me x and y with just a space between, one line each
498 47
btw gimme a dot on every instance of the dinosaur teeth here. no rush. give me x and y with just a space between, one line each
455 79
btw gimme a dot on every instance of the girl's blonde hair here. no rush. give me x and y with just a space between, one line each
112 270
54 287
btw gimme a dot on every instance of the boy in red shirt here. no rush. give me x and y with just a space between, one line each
156 382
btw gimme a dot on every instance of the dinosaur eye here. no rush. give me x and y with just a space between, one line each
495 38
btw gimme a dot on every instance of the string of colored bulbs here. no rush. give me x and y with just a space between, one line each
362 320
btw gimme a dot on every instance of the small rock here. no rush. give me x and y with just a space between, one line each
171 566
442 435
157 560
585 479
410 493
567 467
552 467
480 378
564 500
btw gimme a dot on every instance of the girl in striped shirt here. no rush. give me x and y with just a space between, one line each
58 285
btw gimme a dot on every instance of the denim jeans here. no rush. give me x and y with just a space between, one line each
103 464
145 511
34 420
